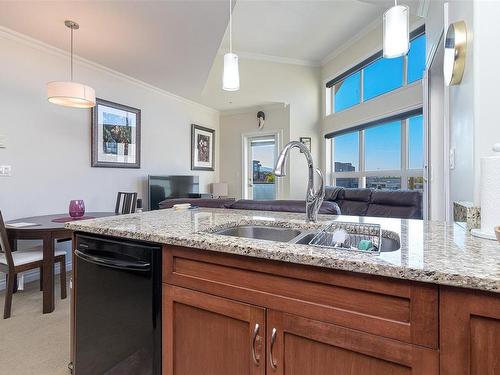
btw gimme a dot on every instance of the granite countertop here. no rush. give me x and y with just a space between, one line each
430 252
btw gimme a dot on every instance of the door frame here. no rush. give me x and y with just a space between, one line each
278 136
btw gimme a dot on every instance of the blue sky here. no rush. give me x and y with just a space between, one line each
382 146
382 143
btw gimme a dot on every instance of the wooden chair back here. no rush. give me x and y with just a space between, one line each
4 244
125 203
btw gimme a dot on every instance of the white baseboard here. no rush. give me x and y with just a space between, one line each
33 275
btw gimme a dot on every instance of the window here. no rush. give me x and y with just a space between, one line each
383 147
348 182
347 92
377 75
416 143
416 59
388 154
382 76
346 153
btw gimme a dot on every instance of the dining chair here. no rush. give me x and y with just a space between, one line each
125 203
15 262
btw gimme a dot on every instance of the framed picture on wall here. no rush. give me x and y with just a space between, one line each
116 135
306 141
202 148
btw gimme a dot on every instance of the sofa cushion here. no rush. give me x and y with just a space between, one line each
406 204
401 212
353 208
397 198
355 194
283 206
333 193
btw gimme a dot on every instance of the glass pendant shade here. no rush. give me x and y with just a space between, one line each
396 31
71 94
231 74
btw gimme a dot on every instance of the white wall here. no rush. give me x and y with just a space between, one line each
486 57
48 146
264 82
233 124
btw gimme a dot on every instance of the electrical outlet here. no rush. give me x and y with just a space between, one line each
5 171
452 158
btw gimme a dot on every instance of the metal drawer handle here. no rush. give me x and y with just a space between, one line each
274 364
255 337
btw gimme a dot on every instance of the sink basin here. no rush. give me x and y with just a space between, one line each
293 236
388 244
261 232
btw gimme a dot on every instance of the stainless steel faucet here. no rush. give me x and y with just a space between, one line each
314 198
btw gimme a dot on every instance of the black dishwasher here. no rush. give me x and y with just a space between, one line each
117 307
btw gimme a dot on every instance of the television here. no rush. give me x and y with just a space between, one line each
167 187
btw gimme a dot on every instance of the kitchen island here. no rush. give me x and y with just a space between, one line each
236 305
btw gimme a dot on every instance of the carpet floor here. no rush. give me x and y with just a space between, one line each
32 342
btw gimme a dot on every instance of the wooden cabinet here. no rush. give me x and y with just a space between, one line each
204 334
314 321
391 308
208 335
311 321
300 346
469 332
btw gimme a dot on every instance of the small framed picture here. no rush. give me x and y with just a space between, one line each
116 135
306 141
202 148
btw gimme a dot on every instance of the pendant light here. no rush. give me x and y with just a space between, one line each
70 93
396 31
231 74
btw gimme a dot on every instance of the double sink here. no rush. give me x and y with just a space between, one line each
292 236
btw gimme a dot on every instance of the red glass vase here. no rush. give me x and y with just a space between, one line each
76 208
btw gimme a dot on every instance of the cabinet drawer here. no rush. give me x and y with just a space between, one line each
300 345
392 308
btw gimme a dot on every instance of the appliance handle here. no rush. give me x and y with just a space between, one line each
114 263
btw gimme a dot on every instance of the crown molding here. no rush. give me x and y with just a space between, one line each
15 36
274 59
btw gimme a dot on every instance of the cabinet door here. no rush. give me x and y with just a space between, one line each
469 332
298 346
208 335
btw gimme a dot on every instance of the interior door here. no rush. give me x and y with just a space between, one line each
208 335
297 346
261 158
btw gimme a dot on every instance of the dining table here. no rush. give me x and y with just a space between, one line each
49 229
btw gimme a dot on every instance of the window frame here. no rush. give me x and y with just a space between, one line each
330 85
361 175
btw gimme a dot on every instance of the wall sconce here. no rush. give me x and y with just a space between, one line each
455 51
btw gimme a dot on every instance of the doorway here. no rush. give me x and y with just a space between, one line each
260 153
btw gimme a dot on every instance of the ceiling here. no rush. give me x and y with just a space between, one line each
168 44
298 31
173 44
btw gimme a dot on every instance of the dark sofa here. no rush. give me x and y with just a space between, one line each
405 204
